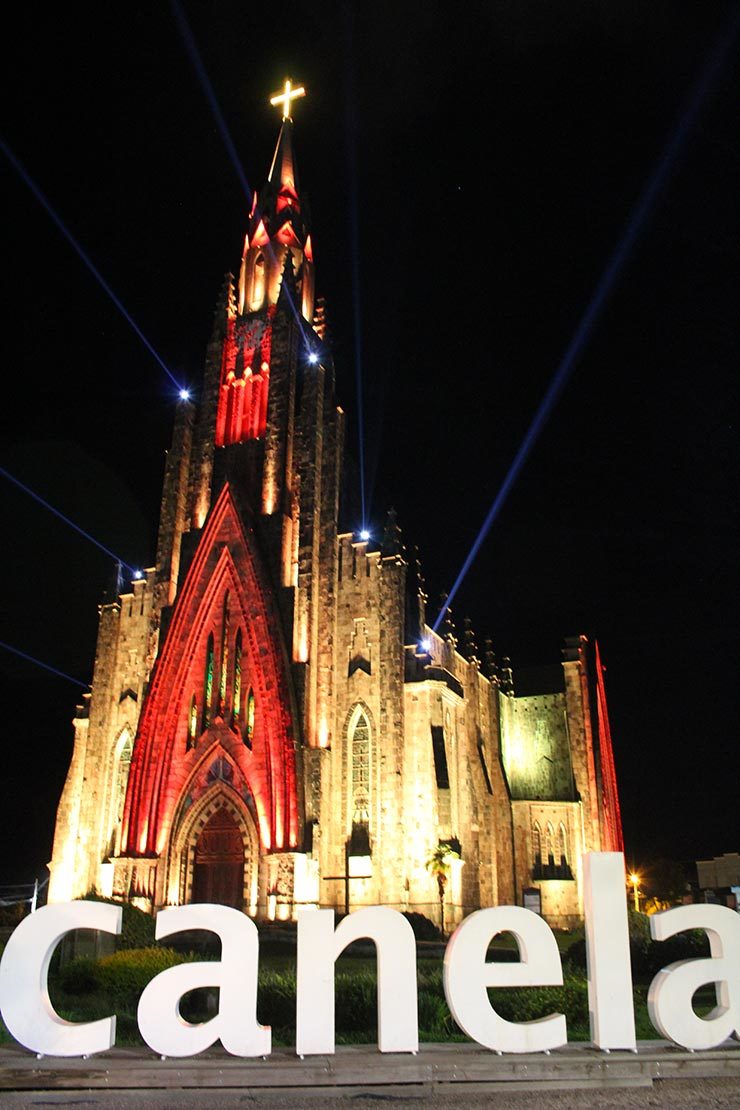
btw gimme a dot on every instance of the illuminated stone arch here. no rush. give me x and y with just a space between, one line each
193 819
226 558
120 765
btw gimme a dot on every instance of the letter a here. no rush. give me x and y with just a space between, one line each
235 975
671 991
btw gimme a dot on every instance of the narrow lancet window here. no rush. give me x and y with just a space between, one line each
563 844
224 656
236 706
249 729
258 283
360 752
208 685
193 722
122 771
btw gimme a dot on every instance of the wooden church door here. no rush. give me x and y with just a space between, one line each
218 871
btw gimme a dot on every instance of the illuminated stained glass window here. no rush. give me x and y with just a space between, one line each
360 753
237 698
249 730
193 722
224 655
208 685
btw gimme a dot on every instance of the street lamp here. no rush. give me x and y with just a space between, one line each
635 880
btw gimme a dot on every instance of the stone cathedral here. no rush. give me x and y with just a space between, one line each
272 724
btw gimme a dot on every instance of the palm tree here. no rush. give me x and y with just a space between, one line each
439 864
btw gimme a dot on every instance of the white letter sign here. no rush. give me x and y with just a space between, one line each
24 993
318 948
671 991
467 975
235 975
611 1010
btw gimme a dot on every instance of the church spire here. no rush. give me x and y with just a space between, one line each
279 225
283 173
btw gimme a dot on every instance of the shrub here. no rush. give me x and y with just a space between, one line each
647 956
137 926
276 1001
120 977
435 1020
424 928
124 975
79 977
531 1003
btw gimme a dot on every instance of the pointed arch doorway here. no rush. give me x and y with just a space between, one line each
218 864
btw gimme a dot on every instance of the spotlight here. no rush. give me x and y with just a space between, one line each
138 574
425 645
364 534
184 394
313 358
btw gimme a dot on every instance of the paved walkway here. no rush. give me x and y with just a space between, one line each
438 1070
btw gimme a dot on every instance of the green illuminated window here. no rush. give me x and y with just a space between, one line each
249 731
237 700
193 722
208 685
224 654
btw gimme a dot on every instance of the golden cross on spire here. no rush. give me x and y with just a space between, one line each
285 97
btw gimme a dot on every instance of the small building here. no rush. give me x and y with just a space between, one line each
719 879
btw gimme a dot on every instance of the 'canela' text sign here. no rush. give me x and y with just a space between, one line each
31 1019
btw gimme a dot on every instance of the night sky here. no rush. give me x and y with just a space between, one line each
471 170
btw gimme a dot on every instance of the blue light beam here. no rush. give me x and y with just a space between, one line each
354 231
197 62
605 285
44 666
16 482
45 203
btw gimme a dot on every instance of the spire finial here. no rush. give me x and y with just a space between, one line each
285 97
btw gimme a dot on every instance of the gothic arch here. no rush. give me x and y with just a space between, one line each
226 559
354 710
193 819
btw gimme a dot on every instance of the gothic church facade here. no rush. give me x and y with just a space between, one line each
272 724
